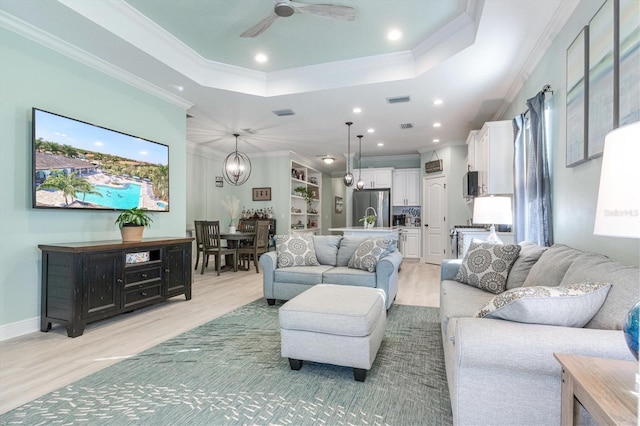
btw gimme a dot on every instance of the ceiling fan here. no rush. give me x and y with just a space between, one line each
285 8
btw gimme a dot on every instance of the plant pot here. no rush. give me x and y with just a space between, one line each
131 233
368 225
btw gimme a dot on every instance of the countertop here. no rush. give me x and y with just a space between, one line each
363 229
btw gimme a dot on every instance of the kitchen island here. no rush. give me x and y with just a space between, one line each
362 232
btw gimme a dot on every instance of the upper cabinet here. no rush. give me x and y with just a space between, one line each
472 140
375 178
305 205
494 158
406 187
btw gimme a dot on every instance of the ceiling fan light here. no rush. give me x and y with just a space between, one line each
284 9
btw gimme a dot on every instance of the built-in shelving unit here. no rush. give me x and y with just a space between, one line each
305 217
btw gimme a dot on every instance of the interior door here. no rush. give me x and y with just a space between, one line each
434 229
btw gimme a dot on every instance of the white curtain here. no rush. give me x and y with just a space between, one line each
532 184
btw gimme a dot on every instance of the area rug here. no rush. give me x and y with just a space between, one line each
230 372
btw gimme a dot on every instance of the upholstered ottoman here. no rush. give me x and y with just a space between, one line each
334 324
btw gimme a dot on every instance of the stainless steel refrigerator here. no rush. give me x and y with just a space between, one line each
379 199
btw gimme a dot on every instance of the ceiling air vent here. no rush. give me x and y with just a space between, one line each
249 131
398 99
406 126
283 112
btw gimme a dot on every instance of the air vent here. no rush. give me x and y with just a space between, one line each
405 126
249 131
283 112
398 99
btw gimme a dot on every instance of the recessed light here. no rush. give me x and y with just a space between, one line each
394 35
436 140
380 144
437 101
357 110
261 58
370 130
437 124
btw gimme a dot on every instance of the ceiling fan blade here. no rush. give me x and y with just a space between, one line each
333 11
260 27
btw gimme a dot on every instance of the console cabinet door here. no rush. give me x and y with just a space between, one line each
102 282
177 270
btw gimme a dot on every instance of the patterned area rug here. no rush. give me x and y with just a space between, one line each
230 372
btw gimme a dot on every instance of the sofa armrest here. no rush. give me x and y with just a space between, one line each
387 275
269 263
483 343
449 269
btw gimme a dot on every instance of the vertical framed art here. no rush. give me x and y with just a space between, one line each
601 79
577 94
629 58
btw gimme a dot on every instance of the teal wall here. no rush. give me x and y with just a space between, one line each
575 189
34 76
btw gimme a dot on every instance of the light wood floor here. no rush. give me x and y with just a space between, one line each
38 363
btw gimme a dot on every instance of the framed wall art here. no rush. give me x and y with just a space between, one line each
577 93
339 204
261 194
602 117
629 54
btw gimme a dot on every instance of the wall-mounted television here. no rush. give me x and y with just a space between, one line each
78 165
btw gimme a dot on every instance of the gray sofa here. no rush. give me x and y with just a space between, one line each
333 253
501 372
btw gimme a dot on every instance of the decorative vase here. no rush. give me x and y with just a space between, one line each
630 329
368 225
232 229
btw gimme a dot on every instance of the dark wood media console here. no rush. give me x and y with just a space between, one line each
86 282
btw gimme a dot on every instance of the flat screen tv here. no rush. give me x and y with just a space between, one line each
77 165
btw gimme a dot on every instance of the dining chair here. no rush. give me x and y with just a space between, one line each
211 246
198 224
258 245
246 225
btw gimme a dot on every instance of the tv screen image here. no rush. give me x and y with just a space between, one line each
78 165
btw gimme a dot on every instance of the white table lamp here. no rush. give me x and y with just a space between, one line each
618 210
491 210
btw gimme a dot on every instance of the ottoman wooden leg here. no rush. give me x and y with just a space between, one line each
296 364
359 374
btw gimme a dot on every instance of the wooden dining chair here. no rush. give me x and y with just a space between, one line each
211 246
198 224
258 245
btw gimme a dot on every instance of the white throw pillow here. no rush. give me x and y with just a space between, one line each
571 305
370 251
295 250
487 265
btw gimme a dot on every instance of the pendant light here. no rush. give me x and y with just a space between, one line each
360 184
236 168
348 176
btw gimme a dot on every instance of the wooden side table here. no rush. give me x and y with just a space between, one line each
604 387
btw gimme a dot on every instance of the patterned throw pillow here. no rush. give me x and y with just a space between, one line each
571 305
487 265
295 250
370 251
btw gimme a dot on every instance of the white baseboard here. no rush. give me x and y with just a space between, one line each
15 329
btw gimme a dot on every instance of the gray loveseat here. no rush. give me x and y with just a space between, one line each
501 372
333 253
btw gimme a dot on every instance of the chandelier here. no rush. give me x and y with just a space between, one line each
360 183
348 176
236 168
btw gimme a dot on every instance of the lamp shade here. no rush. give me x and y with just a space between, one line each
492 210
618 208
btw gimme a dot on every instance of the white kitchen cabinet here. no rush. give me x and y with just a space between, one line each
472 141
409 243
375 177
406 187
494 158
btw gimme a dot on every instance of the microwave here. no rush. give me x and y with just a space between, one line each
470 185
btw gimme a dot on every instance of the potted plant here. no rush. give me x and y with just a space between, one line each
132 222
369 220
306 193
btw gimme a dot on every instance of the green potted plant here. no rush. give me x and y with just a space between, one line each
306 193
132 222
369 220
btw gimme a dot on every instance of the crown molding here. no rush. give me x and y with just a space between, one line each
559 19
56 44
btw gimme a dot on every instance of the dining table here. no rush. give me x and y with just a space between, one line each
233 241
